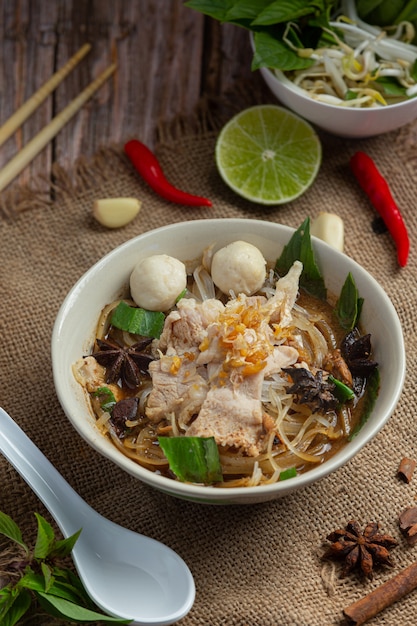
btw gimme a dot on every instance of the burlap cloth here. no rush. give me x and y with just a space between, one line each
253 565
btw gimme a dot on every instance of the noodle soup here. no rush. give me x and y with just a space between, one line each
262 379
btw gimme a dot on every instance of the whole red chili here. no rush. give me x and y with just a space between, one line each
379 193
147 165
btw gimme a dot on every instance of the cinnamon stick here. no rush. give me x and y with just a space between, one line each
408 525
406 469
384 596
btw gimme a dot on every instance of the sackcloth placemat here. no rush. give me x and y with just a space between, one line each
254 565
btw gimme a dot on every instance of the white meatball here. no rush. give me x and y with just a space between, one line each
157 281
238 267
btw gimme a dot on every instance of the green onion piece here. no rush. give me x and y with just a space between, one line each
106 398
181 296
193 459
372 389
291 472
299 248
342 392
349 305
138 321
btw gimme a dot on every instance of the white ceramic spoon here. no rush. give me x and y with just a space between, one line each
126 574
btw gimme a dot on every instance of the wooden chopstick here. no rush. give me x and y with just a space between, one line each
19 162
34 101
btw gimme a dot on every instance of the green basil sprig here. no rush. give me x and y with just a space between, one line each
299 248
38 578
274 24
349 305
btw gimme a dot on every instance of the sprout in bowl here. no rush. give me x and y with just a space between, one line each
267 337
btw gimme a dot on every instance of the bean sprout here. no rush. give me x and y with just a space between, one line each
353 72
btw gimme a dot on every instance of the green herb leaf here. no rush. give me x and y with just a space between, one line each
68 585
245 10
32 581
58 590
45 538
138 321
106 398
47 576
350 95
342 392
193 459
364 7
349 305
70 611
272 52
372 390
13 605
218 9
299 248
391 86
291 472
10 529
284 11
63 547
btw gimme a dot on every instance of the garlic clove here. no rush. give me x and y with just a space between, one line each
116 212
330 228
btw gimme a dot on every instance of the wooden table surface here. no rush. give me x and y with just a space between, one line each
168 56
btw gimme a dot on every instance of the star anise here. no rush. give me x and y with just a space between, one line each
360 549
126 364
313 390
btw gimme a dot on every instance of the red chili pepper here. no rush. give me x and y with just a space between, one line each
379 193
147 165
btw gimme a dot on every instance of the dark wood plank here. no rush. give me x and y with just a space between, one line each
169 57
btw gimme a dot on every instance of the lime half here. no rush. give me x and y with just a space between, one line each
268 154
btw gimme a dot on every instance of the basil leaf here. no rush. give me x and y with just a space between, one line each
32 581
349 305
137 321
63 547
271 52
246 9
45 538
391 86
68 610
301 21
193 459
11 530
372 390
284 11
363 7
48 578
299 248
14 609
68 582
217 9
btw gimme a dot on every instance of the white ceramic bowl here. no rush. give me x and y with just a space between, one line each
338 120
76 321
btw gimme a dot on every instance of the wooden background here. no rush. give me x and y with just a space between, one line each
169 57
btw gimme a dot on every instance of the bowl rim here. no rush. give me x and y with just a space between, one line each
203 493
